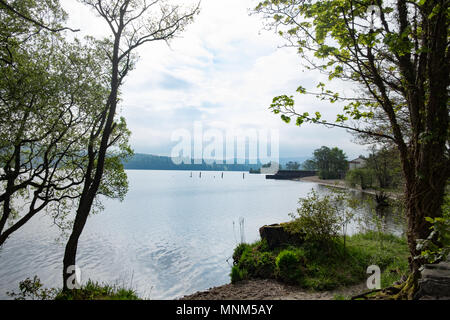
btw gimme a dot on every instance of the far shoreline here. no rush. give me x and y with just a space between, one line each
341 184
193 170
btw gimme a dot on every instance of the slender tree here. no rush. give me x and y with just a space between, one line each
396 53
51 93
132 23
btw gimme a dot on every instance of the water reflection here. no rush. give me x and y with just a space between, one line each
372 215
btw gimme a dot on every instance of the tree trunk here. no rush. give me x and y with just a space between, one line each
72 243
85 204
91 187
425 189
419 207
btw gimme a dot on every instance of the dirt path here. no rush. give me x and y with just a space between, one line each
267 289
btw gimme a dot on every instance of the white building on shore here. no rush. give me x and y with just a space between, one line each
357 163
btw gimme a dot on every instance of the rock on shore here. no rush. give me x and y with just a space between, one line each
435 282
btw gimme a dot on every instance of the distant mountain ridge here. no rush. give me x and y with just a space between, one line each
141 161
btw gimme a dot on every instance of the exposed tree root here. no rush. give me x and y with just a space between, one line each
404 291
380 293
408 288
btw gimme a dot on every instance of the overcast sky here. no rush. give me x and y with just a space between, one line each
224 71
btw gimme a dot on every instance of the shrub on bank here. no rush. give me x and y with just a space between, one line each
257 262
239 250
314 267
318 217
289 266
238 274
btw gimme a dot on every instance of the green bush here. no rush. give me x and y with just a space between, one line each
265 265
254 260
327 175
263 246
248 261
288 266
258 264
363 177
317 218
238 251
238 274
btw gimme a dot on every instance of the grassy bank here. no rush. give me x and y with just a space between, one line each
32 289
95 291
324 267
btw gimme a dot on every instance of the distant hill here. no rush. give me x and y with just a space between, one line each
142 161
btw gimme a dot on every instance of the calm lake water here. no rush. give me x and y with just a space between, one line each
170 237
